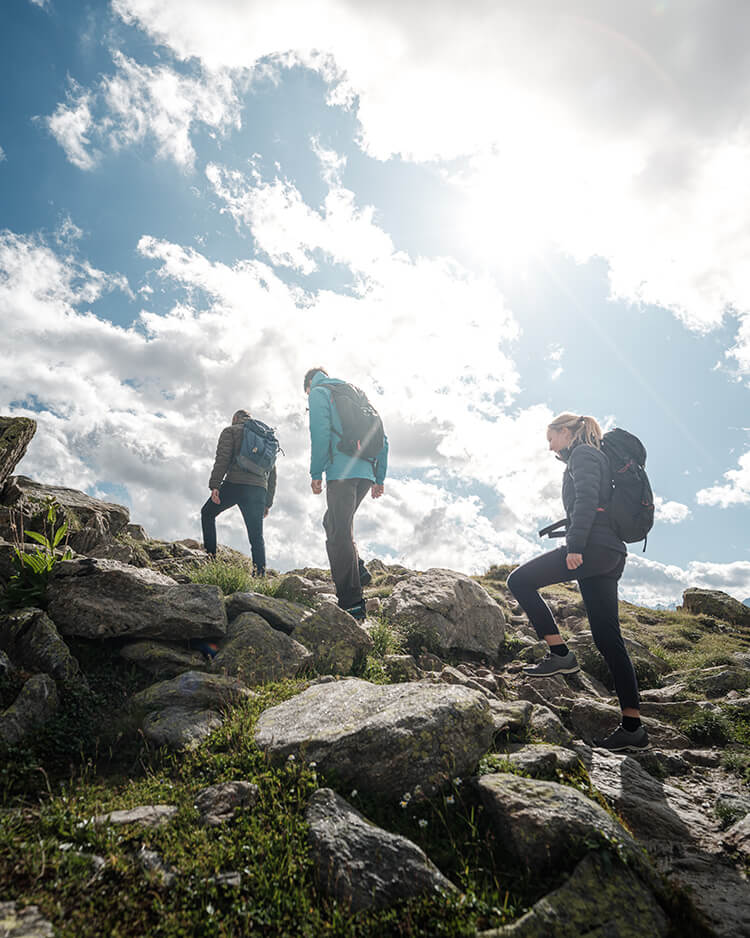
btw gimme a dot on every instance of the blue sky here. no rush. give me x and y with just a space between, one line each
484 216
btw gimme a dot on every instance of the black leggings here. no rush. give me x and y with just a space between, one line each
597 578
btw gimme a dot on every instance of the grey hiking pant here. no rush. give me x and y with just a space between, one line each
344 497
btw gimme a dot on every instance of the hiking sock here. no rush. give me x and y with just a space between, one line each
561 650
631 724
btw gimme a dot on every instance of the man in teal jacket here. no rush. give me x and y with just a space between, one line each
348 480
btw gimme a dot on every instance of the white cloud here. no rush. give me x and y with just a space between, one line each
735 491
2 155
648 582
44 4
670 512
137 103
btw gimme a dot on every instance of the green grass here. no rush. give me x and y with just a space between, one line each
234 577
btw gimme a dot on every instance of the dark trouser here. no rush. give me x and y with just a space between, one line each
597 578
252 502
344 497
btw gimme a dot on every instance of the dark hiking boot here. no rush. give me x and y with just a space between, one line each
623 740
554 664
365 577
357 612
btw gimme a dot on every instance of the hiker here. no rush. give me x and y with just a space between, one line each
354 459
595 556
231 483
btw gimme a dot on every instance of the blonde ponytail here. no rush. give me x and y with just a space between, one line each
583 429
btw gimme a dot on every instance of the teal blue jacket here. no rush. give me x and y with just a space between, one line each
325 457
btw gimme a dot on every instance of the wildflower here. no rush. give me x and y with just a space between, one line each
313 765
290 757
422 822
210 909
456 781
404 804
450 800
406 797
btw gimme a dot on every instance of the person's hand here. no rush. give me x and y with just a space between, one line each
215 497
377 490
574 561
265 513
317 486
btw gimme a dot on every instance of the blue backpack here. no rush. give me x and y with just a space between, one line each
259 447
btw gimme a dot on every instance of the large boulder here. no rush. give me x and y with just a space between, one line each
300 589
180 728
193 690
364 866
35 704
30 638
163 659
717 604
15 435
453 610
544 823
258 653
280 613
90 520
106 599
337 642
385 739
718 682
218 804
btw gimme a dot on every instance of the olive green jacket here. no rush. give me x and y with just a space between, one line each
226 468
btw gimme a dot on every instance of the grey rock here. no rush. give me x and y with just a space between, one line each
218 804
601 899
232 879
107 599
337 642
548 727
193 690
364 866
540 760
35 704
648 667
256 652
662 764
6 665
533 652
717 604
155 866
147 815
457 612
709 758
384 739
543 822
592 719
136 531
29 636
400 668
717 682
670 692
510 716
90 520
296 588
279 613
15 435
179 727
373 606
23 922
163 659
674 711
737 838
732 806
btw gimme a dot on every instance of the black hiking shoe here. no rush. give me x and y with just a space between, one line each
623 740
357 612
554 664
365 577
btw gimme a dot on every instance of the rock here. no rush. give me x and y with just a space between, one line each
147 815
384 739
648 667
602 898
35 704
400 668
90 520
455 611
737 838
339 645
592 719
544 823
15 435
300 589
180 728
662 764
670 692
373 606
6 665
218 803
136 531
533 652
540 760
430 662
19 922
29 636
363 866
709 758
153 864
162 659
510 716
192 690
674 711
450 675
279 613
256 652
547 727
109 599
717 604
730 807
717 682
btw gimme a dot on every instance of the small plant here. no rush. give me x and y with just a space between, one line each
420 638
386 640
706 726
229 576
28 585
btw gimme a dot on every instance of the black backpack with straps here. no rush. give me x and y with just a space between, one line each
362 433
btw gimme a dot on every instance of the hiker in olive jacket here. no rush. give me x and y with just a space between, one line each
231 485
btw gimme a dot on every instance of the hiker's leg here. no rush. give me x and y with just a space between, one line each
343 497
600 598
252 504
525 582
209 513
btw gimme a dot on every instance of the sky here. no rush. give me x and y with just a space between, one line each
482 213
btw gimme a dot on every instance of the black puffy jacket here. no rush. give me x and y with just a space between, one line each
587 487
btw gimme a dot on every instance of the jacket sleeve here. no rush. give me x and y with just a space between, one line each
585 469
320 432
224 453
381 463
271 487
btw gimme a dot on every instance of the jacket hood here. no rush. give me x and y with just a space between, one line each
319 378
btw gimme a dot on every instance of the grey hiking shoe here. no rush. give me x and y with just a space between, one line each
554 664
623 740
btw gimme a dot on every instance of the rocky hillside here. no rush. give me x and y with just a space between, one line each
185 750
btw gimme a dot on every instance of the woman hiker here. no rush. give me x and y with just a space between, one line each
595 556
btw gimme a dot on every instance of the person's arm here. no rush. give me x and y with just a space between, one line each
271 488
224 450
381 469
584 467
320 432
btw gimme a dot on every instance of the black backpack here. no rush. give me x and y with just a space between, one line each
362 429
631 511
